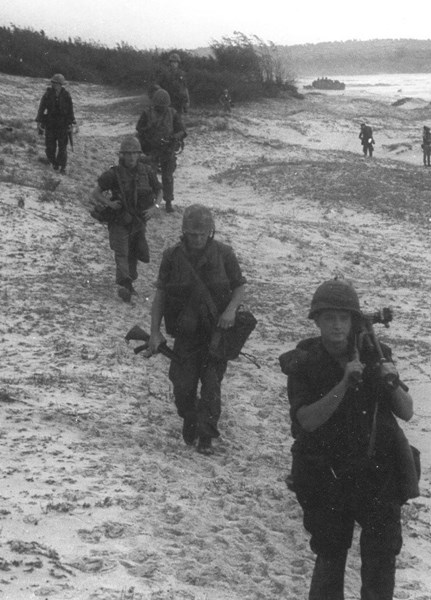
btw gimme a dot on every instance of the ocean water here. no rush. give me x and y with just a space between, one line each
398 85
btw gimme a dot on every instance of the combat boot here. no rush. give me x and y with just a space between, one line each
204 446
169 207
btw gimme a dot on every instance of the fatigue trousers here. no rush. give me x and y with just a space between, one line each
56 146
168 164
331 507
129 244
197 366
427 154
367 148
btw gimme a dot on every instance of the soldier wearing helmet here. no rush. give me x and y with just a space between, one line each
200 286
173 79
128 193
55 118
345 468
161 133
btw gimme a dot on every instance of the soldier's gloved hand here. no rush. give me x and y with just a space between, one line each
154 343
227 319
115 204
75 128
150 213
353 372
40 129
389 375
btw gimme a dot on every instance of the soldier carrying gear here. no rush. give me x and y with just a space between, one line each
346 464
173 79
367 140
426 146
56 119
134 191
200 287
160 131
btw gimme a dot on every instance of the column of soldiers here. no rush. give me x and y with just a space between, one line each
346 462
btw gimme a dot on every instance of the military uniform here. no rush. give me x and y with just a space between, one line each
136 189
174 82
56 116
346 460
155 133
188 320
367 140
426 146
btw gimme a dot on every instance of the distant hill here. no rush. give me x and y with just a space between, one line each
354 57
359 57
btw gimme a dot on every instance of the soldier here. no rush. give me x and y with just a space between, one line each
191 270
134 191
225 101
345 465
426 146
173 80
367 140
161 133
56 119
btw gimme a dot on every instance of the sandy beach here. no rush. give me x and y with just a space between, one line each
100 497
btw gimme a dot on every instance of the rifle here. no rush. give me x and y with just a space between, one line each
70 138
137 333
368 335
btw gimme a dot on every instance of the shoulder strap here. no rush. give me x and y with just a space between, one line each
204 291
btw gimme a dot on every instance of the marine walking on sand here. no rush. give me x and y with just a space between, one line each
199 288
55 118
426 146
367 139
173 80
161 132
349 453
134 191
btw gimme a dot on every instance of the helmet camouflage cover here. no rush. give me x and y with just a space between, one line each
174 57
335 294
58 78
130 144
198 218
161 98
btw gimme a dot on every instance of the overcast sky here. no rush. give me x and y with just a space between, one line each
191 24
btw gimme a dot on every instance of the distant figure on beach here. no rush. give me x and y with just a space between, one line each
426 145
351 460
55 119
225 101
367 140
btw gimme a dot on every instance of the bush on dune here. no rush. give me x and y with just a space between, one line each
247 66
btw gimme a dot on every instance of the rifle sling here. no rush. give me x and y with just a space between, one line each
204 291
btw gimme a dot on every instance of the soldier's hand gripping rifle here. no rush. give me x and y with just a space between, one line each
368 336
137 333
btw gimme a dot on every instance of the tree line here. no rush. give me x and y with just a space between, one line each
249 67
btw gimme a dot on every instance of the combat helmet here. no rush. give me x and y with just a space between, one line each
130 144
161 98
174 57
198 218
336 294
58 78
